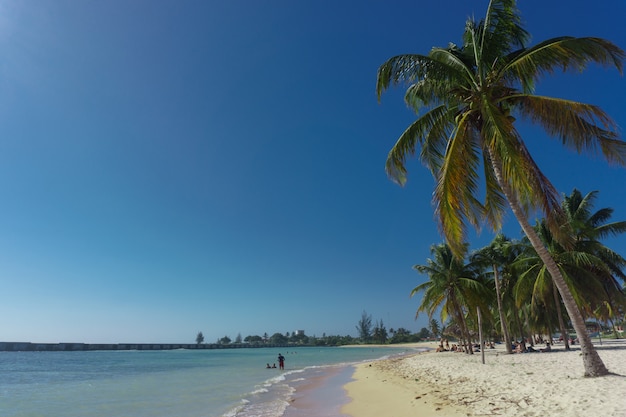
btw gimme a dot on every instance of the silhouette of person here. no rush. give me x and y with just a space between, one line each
281 361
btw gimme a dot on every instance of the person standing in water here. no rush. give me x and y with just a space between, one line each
281 361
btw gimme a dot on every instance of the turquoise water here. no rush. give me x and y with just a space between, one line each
198 383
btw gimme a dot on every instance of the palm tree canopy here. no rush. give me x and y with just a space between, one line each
465 97
452 284
590 268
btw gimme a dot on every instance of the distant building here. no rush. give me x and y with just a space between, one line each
298 332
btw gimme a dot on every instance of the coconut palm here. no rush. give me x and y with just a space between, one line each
588 229
591 269
435 329
535 283
452 286
499 256
465 97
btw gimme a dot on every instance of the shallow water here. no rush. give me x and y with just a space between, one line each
206 383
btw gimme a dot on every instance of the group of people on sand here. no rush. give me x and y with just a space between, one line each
444 346
281 363
517 347
520 347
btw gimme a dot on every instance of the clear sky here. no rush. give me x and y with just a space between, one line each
169 167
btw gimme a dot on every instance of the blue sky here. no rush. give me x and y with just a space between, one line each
174 167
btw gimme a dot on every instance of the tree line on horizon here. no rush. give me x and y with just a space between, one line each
368 333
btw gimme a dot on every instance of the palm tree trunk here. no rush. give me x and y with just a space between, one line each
505 328
518 324
614 329
464 330
559 314
526 328
591 360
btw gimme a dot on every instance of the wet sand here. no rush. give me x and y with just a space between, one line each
321 394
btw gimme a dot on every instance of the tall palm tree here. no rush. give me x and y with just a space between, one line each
465 97
499 255
452 286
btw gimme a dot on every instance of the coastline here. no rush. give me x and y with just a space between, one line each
521 385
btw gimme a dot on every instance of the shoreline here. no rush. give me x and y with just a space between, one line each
454 384
320 395
320 390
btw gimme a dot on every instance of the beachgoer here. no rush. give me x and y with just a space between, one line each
547 349
268 366
274 366
281 361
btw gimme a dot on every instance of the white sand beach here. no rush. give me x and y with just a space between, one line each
454 384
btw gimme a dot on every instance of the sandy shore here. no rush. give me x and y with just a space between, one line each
453 384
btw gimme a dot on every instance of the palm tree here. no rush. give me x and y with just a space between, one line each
590 268
452 286
535 283
434 328
499 255
588 228
465 97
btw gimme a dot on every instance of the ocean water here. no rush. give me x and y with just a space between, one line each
181 383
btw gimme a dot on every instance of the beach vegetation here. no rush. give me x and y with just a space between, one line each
333 340
468 98
299 338
199 338
594 273
379 334
454 289
424 333
364 327
498 259
528 300
434 327
402 335
278 339
253 339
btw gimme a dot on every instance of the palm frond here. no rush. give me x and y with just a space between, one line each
429 124
501 30
531 187
454 66
611 229
581 127
457 183
562 53
402 69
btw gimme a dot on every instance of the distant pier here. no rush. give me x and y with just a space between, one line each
64 347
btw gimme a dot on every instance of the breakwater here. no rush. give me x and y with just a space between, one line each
55 347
